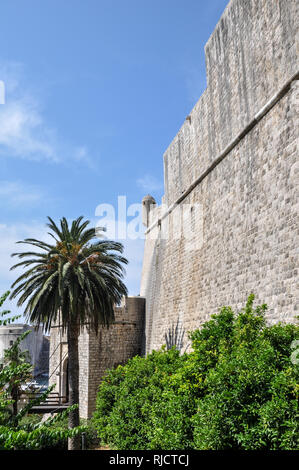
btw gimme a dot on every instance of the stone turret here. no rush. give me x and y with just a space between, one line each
108 348
148 203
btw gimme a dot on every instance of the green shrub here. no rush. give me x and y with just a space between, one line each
128 410
251 394
45 435
237 389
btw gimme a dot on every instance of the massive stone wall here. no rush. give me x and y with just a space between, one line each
97 353
235 161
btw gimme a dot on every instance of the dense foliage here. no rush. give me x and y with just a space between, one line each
237 389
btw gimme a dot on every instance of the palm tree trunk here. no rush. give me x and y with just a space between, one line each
73 361
15 396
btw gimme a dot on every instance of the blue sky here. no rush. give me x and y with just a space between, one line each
95 92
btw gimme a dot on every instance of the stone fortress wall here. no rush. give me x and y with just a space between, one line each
97 353
231 174
231 178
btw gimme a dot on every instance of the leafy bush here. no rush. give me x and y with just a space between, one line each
128 410
237 389
251 396
41 436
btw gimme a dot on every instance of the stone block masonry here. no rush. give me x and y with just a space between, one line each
108 348
236 157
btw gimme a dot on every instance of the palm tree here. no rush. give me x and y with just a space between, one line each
74 280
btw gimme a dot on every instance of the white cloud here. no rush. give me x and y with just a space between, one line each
81 155
149 183
24 132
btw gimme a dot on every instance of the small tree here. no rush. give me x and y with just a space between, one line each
15 372
17 369
16 360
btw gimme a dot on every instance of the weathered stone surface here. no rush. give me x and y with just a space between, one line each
97 353
243 238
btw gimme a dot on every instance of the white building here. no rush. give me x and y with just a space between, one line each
36 343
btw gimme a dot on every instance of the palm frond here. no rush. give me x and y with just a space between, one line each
80 279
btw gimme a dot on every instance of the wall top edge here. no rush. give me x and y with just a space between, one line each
235 141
